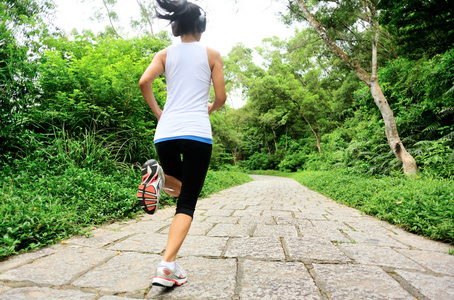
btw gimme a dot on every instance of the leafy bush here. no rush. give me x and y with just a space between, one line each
294 156
435 158
292 161
259 161
42 205
90 87
43 202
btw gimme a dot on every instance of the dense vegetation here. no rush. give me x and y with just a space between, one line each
74 127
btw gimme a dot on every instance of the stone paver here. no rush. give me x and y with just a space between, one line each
434 287
60 268
276 230
378 256
232 230
256 247
125 273
358 282
276 280
145 243
441 263
313 248
268 239
43 293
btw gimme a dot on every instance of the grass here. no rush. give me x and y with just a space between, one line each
424 206
41 203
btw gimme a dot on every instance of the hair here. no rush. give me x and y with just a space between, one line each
184 16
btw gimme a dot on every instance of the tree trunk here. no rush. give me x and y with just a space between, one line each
146 16
274 139
266 141
317 136
392 135
235 156
409 163
110 19
286 137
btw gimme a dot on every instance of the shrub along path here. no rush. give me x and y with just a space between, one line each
270 238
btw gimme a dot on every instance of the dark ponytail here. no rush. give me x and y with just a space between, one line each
185 17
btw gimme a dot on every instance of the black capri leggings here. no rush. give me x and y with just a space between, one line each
188 161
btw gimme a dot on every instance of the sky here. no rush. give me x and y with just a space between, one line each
228 21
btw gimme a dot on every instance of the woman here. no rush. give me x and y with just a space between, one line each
183 137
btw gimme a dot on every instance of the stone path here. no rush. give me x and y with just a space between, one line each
268 239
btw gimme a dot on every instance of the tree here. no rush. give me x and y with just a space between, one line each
365 14
146 12
107 9
227 125
20 25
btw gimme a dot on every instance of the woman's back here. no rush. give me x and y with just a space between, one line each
188 77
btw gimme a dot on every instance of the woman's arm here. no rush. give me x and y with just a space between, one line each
217 76
155 69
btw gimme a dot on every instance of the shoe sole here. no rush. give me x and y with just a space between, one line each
159 281
147 196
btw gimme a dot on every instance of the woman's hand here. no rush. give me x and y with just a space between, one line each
210 107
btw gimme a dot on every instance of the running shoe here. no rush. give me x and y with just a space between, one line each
168 278
150 188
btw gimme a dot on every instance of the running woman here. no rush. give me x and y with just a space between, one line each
183 138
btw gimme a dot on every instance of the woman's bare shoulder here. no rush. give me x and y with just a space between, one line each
161 57
213 52
213 56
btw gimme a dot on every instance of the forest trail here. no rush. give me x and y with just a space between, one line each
267 239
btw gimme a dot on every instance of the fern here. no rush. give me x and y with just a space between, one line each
432 127
450 91
449 136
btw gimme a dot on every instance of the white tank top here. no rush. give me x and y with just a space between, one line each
188 77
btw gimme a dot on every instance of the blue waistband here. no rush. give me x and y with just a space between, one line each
186 137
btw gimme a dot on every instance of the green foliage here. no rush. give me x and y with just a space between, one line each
43 200
17 77
226 137
421 205
415 23
43 204
259 161
435 157
20 10
296 96
346 25
418 93
90 85
295 156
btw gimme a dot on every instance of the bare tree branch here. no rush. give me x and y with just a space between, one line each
109 15
146 16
